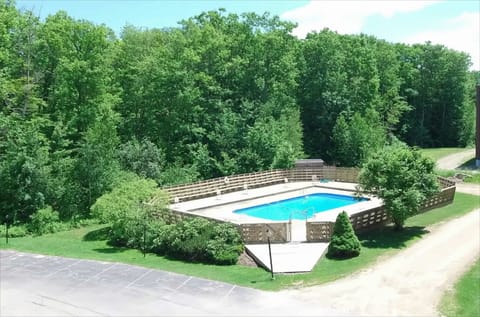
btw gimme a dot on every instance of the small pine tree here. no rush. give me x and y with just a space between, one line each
344 243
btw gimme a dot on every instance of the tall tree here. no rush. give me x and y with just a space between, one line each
356 137
73 59
96 166
402 178
435 84
24 168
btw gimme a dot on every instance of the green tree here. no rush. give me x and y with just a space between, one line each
232 77
340 75
24 168
73 59
142 157
355 138
435 84
96 166
344 243
402 177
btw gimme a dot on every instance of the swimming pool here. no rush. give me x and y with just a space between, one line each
299 208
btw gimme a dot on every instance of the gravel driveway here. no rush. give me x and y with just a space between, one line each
412 282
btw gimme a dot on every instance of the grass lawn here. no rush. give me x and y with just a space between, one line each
438 153
464 299
90 243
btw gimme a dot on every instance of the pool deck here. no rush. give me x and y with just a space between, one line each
221 207
297 255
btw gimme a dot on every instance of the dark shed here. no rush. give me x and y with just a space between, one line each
310 163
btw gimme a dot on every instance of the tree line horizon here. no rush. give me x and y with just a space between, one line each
221 94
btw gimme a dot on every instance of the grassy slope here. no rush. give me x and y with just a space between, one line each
438 153
464 300
90 243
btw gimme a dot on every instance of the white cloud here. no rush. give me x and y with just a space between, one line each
461 33
346 16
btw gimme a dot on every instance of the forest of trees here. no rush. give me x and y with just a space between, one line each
81 108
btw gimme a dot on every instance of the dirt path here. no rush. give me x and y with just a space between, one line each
410 283
468 188
453 161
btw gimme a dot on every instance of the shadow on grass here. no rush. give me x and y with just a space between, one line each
111 250
388 238
97 235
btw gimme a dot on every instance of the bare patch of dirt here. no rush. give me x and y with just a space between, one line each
246 260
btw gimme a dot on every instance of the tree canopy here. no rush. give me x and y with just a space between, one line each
219 94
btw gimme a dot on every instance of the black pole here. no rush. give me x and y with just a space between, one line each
270 254
144 236
6 229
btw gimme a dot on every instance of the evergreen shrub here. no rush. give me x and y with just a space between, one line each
344 243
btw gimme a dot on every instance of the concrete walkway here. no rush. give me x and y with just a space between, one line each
288 257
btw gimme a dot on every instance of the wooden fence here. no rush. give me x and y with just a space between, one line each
377 217
224 185
339 174
319 231
257 232
240 182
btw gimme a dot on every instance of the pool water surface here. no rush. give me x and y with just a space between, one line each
299 208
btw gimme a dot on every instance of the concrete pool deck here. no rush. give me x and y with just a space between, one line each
221 207
294 256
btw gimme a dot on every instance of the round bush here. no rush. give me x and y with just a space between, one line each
44 221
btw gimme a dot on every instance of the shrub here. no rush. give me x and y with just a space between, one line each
188 240
129 232
123 208
44 221
200 240
14 231
344 242
124 200
226 245
161 239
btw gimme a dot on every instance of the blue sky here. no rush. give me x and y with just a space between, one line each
453 23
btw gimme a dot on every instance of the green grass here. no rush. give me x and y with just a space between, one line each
438 153
474 178
464 299
91 243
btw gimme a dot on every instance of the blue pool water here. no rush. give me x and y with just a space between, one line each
300 208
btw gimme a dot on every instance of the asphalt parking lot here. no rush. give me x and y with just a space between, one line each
37 285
